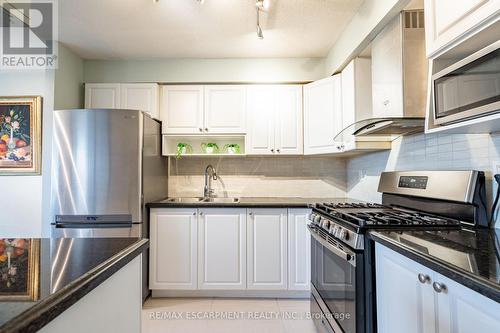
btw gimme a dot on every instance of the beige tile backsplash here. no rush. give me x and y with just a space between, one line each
260 176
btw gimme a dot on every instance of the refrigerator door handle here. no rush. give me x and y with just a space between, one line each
66 225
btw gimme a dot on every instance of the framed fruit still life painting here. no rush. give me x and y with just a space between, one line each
19 269
20 135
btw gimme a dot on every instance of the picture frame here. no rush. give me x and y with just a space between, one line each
19 270
20 135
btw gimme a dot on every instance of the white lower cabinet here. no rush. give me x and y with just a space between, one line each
231 249
173 249
407 301
299 250
267 249
222 248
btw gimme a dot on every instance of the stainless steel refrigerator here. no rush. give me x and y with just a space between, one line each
106 165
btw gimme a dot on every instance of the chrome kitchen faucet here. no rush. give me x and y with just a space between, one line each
208 191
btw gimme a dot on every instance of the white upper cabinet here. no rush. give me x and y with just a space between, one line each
267 249
299 250
173 252
134 96
288 120
181 109
322 115
260 111
448 22
197 109
356 91
222 248
225 109
387 72
140 96
274 120
102 96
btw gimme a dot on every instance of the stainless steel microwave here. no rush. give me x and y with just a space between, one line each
470 88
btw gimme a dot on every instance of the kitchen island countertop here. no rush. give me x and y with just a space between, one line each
470 257
67 269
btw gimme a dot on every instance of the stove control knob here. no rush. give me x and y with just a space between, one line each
325 224
311 217
343 234
333 230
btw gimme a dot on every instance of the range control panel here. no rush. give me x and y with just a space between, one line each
416 182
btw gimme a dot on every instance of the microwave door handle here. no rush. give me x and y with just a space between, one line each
335 250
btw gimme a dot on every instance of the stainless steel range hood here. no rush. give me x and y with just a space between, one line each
381 129
399 86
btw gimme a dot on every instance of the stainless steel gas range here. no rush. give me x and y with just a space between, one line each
342 262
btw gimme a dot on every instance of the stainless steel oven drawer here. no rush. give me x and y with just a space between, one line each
319 319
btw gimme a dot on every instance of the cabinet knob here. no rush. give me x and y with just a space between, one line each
423 278
194 213
201 213
439 287
250 213
201 129
272 150
206 129
278 150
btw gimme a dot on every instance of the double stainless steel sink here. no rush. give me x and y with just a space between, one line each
204 200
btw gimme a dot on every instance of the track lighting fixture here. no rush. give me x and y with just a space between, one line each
262 4
260 35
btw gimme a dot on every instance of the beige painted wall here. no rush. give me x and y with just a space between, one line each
204 70
68 90
300 176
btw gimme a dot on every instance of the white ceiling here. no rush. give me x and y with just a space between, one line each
142 29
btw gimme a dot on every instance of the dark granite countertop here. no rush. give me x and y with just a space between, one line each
284 202
57 273
469 257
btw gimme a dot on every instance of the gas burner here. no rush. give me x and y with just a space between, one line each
358 216
353 205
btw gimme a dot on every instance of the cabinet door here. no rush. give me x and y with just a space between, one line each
181 109
261 118
299 250
387 71
462 310
267 249
404 304
102 96
140 96
288 120
173 250
222 248
448 22
225 109
322 115
356 91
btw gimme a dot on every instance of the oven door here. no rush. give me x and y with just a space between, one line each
333 276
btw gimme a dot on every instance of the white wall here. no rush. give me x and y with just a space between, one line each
25 198
424 152
205 70
371 17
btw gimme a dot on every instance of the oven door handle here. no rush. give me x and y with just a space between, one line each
349 257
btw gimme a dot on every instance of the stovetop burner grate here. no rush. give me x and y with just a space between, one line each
367 215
